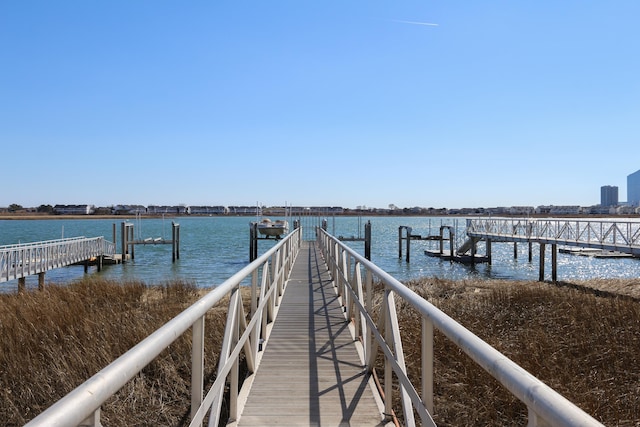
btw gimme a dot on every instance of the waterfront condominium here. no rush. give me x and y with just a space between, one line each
633 189
609 195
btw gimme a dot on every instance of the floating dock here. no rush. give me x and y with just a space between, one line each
594 253
463 259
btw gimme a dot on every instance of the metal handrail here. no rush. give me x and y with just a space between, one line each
621 236
44 242
82 405
353 275
25 259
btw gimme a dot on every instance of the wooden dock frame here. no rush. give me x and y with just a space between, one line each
407 236
543 245
366 239
554 262
128 242
452 255
254 236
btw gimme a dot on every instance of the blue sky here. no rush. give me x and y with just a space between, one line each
342 103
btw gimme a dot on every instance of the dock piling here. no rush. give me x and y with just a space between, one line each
367 240
175 241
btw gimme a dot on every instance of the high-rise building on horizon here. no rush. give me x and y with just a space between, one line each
609 195
633 189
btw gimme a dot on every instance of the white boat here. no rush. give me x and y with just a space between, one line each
273 228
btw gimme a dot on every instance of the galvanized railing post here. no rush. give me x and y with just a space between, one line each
197 365
388 369
92 421
546 407
255 334
427 363
234 381
368 335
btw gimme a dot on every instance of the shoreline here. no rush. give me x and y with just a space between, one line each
40 216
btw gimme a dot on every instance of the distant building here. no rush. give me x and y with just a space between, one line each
208 210
633 189
522 210
128 210
609 195
171 210
73 209
559 210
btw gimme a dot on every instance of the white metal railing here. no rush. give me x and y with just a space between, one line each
26 259
354 275
620 236
267 273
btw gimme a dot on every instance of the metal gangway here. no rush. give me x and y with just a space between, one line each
607 235
27 259
327 381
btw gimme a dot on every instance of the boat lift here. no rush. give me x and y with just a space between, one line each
128 241
405 233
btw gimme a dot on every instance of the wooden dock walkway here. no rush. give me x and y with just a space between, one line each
310 373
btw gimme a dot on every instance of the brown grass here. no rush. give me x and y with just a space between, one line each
53 341
582 343
584 346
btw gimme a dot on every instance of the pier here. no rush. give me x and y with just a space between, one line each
312 339
19 261
28 259
616 238
128 242
598 239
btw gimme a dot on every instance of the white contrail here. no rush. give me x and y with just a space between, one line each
428 24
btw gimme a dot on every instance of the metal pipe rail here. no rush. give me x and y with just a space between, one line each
82 405
353 276
26 259
619 236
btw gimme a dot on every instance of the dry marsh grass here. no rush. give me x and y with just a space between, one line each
53 341
584 344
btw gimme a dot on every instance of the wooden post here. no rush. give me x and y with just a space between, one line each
130 240
123 243
41 281
253 241
489 250
400 241
367 240
554 262
451 248
408 243
178 242
515 250
21 284
173 242
530 251
541 277
473 251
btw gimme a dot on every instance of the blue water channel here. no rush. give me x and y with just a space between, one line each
214 248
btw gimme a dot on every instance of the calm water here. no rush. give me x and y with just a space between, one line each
214 248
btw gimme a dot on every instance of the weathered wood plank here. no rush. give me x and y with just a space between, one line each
310 373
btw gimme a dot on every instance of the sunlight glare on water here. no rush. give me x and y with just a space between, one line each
214 248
